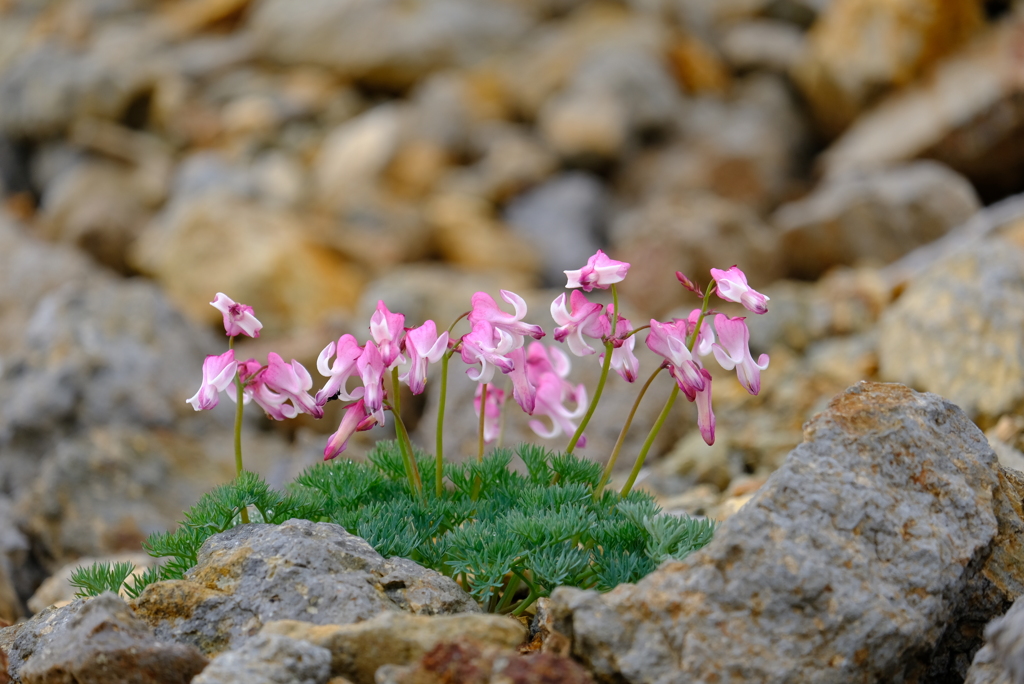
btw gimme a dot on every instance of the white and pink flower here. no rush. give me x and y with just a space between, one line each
238 318
601 272
424 346
734 352
218 374
732 287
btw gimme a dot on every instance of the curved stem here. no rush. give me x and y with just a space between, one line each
622 435
411 469
439 439
483 414
649 441
635 331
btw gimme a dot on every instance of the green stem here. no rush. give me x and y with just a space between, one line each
608 348
649 441
239 397
408 456
509 593
439 467
622 435
483 413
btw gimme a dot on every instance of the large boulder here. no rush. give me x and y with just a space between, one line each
300 570
865 557
955 330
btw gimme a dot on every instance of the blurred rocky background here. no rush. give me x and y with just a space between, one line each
859 159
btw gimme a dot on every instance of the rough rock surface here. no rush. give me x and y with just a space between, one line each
269 659
391 638
1001 659
955 330
96 641
300 570
467 662
874 218
849 564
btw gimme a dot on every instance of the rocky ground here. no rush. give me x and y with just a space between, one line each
860 159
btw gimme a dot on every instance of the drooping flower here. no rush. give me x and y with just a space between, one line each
424 346
386 329
274 404
668 340
218 374
523 391
732 287
370 365
238 318
552 394
492 415
489 347
292 381
624 361
734 352
705 416
348 352
601 271
356 419
585 318
486 309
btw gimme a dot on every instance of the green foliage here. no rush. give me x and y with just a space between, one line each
508 538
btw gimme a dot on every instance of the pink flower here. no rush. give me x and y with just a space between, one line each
487 346
523 391
218 374
668 340
238 318
705 416
370 365
732 287
584 318
356 419
386 329
292 381
275 405
552 393
486 309
344 367
424 345
624 362
600 272
492 415
734 352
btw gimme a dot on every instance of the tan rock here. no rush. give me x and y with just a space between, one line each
964 115
467 234
265 257
694 458
697 67
860 49
357 650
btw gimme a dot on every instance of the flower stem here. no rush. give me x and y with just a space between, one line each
483 414
239 397
411 469
439 457
649 441
608 348
622 435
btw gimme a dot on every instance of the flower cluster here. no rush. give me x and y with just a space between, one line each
496 341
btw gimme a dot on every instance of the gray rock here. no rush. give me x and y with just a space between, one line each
95 641
562 219
616 93
269 659
48 87
955 330
15 576
300 570
850 564
873 218
387 42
